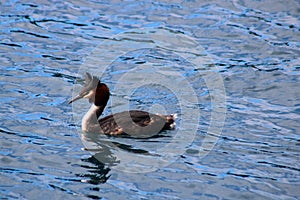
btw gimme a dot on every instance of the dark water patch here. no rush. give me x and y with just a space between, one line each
14 16
279 166
53 57
62 189
23 135
19 171
60 21
208 174
47 119
139 62
100 37
57 187
30 5
102 26
30 33
125 58
237 63
249 176
239 140
254 33
93 197
11 44
267 70
56 74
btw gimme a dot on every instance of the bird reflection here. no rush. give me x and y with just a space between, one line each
103 159
98 173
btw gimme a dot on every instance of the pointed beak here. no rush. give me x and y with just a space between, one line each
88 90
75 99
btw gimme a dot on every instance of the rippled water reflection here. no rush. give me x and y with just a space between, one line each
254 46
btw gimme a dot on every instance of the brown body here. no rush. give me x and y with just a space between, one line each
135 123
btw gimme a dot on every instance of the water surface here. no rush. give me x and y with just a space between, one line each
253 45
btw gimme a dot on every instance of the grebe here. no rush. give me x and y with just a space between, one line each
134 123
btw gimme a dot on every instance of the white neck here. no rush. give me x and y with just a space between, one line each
89 122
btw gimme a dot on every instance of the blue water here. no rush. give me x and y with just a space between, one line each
250 47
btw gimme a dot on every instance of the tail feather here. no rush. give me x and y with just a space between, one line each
170 121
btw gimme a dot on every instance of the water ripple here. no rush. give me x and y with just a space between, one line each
253 44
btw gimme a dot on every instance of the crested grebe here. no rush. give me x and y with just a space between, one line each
133 123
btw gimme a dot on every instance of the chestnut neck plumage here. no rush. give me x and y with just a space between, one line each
99 100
